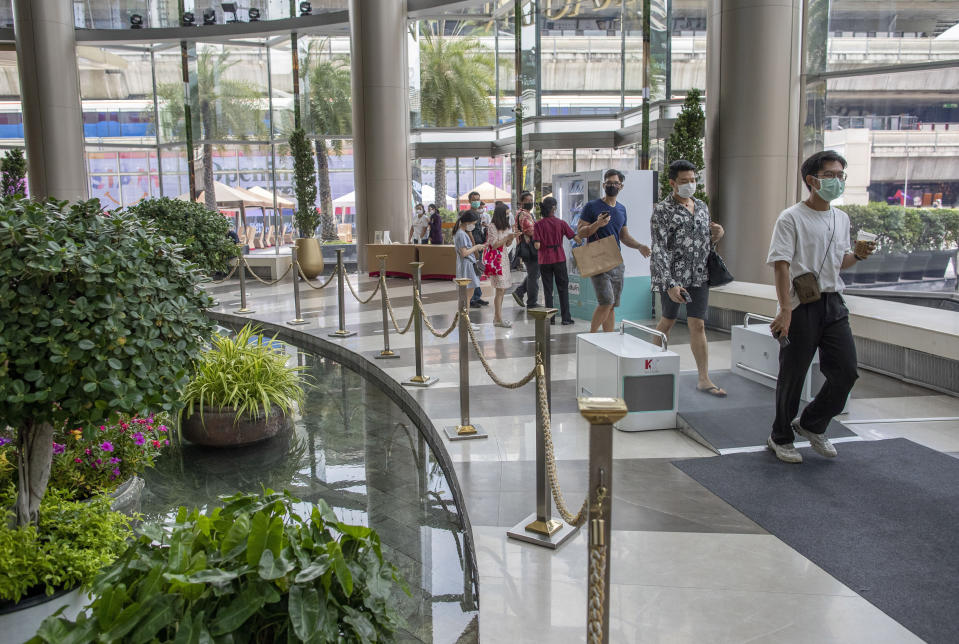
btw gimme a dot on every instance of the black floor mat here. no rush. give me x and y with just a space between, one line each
881 518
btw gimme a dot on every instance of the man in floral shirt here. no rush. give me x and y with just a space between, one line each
682 235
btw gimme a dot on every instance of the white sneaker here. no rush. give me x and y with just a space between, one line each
785 453
819 442
475 327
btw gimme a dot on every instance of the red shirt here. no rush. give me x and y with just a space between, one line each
549 232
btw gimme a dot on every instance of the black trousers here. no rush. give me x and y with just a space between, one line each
558 273
529 287
822 326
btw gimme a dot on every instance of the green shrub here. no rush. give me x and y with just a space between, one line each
905 229
67 547
245 373
200 231
251 571
304 183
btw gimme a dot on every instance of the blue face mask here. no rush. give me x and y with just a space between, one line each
831 188
475 205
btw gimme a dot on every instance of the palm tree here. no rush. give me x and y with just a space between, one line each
228 107
456 82
330 102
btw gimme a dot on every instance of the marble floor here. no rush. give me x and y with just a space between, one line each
687 567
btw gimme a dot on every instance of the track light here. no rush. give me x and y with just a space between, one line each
209 17
229 7
254 14
188 19
136 21
306 9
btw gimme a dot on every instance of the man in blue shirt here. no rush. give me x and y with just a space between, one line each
602 218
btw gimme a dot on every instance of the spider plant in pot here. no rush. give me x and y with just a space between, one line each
242 391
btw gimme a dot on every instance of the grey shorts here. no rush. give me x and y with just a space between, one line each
695 309
609 286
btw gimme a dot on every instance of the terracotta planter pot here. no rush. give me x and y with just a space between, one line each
217 429
310 256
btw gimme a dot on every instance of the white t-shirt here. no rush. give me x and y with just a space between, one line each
420 226
802 238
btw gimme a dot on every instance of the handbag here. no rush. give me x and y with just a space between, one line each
526 250
597 257
492 261
716 271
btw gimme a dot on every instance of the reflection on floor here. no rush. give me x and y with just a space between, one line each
687 566
352 446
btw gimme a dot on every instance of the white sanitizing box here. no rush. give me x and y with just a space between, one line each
643 374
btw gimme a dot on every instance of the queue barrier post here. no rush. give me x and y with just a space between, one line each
243 310
386 353
418 380
601 413
465 430
341 297
540 528
298 320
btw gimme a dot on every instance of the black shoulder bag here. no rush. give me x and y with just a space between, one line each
718 274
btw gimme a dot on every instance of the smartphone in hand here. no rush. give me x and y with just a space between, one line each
686 295
783 339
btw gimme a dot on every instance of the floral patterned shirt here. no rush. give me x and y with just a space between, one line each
681 244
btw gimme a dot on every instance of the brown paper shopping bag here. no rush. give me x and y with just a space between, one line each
597 257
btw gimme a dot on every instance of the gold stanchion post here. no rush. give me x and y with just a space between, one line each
243 310
541 528
419 380
601 413
386 353
341 297
465 430
296 290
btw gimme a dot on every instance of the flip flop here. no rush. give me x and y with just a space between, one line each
713 391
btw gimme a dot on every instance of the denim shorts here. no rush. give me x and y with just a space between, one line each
695 309
609 285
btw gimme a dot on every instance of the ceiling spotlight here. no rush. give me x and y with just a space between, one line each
229 7
209 17
136 21
306 9
188 19
254 14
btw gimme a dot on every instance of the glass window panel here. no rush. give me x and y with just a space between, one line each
857 34
581 47
899 132
687 46
232 88
461 51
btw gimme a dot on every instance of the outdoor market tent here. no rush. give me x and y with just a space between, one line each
426 192
281 202
229 197
489 193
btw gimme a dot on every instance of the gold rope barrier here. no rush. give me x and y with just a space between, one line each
310 284
263 281
372 295
229 275
489 370
418 304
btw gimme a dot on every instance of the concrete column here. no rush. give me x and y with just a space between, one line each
752 124
381 121
50 91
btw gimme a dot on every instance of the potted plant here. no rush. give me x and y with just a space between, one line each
97 316
241 393
307 218
257 567
202 233
44 565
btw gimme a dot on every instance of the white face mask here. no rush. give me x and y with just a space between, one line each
686 190
469 227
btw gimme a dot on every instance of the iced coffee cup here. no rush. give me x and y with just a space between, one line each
865 243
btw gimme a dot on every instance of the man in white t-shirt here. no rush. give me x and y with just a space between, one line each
811 242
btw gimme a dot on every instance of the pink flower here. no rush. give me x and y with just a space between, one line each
163 428
78 460
138 438
115 460
103 428
156 443
58 448
166 442
87 451
116 473
106 446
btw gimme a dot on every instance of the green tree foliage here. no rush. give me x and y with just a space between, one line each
304 183
229 108
456 82
255 570
330 102
905 229
686 142
98 315
13 174
200 231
